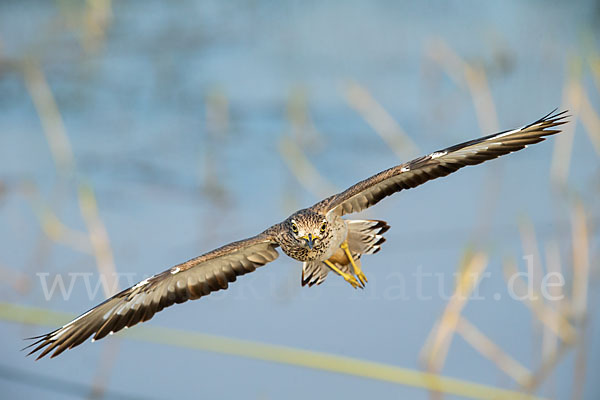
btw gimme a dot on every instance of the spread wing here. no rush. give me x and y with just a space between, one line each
188 281
437 164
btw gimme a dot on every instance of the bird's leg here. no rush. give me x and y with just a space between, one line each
349 278
357 271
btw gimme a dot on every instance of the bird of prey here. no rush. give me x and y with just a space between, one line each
317 236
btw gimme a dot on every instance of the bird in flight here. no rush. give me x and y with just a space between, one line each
317 236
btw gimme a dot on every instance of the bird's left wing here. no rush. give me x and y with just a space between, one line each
437 164
188 281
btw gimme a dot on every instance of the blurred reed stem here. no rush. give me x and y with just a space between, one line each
279 354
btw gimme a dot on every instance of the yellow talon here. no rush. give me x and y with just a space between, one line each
357 271
352 280
349 278
361 276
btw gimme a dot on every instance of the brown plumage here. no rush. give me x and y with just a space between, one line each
437 164
315 235
364 237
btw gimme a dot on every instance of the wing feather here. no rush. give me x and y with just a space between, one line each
437 164
187 281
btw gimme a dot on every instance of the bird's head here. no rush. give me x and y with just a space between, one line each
308 229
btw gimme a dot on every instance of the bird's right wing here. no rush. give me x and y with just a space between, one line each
437 164
187 281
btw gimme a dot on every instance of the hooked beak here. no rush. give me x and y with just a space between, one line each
310 240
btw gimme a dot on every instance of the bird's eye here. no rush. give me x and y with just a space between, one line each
294 228
323 227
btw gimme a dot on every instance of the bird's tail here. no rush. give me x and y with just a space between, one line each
366 236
